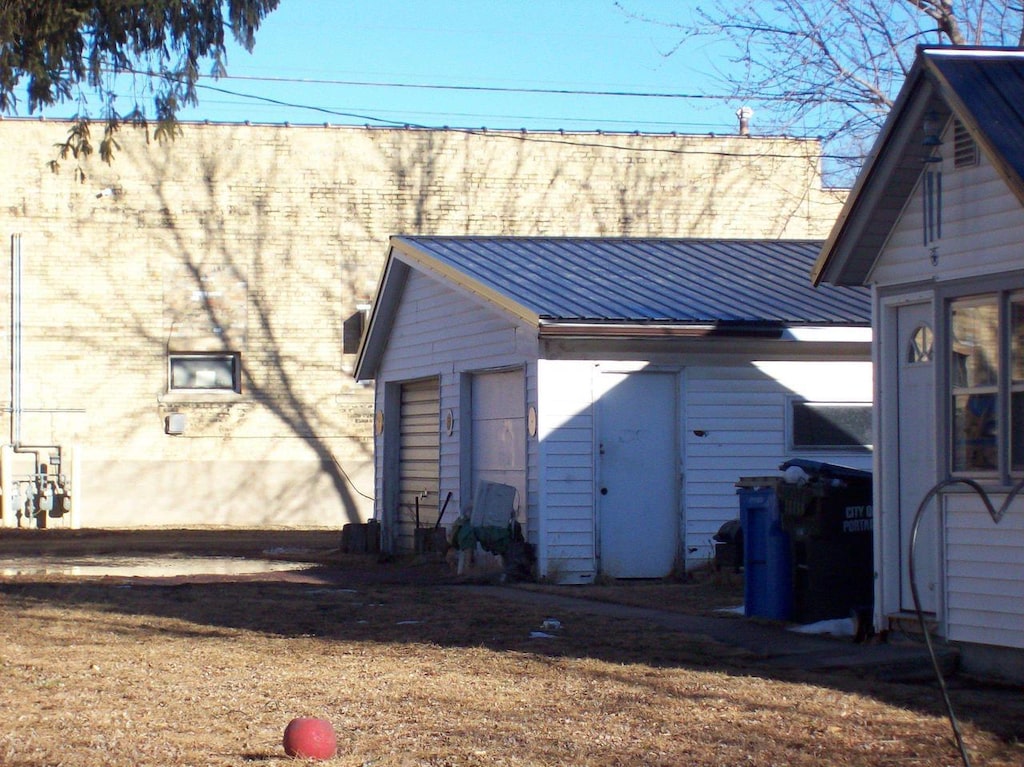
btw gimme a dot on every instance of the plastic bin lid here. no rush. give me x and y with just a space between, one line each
826 470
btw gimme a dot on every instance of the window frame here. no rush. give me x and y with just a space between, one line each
792 402
1003 296
234 359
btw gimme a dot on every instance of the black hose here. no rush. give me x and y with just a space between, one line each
996 516
920 613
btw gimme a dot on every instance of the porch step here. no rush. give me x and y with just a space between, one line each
909 625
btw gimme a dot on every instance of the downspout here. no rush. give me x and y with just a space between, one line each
16 340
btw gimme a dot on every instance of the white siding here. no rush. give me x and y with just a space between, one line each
742 412
565 432
740 408
439 331
985 572
982 231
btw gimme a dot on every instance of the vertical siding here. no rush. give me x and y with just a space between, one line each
984 572
565 432
439 331
741 411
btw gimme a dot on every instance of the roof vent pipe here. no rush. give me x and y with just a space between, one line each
744 113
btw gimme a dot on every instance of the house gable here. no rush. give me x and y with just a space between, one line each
981 88
935 227
979 214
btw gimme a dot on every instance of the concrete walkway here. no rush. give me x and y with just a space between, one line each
770 644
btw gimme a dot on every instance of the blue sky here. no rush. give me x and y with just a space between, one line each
574 45
469 49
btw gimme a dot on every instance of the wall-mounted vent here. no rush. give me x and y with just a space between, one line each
353 328
965 149
174 424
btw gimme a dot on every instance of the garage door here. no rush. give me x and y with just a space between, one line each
418 460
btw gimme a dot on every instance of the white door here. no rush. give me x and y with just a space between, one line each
917 470
499 433
638 487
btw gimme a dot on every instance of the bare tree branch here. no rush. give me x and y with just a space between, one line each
832 67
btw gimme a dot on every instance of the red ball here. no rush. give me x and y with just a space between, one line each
310 738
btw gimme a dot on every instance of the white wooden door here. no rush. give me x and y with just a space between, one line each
917 450
638 478
499 433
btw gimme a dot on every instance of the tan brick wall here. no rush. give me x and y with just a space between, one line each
290 225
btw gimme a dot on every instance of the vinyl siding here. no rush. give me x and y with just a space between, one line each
439 331
565 433
983 226
985 572
742 409
979 217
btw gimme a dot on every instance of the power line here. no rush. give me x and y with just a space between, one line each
483 88
663 126
522 135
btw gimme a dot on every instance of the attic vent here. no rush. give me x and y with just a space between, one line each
965 150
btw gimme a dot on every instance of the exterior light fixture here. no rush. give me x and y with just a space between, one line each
931 125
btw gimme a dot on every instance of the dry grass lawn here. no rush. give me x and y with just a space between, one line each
411 670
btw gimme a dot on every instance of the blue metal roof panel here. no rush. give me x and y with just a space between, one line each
652 280
989 85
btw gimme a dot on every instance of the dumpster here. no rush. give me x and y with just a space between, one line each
828 517
767 557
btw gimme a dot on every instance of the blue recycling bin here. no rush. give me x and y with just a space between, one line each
767 552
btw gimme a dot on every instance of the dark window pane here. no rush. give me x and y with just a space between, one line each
1017 431
974 432
1017 340
819 426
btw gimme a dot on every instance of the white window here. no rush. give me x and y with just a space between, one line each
987 385
829 425
204 372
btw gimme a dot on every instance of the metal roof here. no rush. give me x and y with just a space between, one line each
615 280
987 91
984 89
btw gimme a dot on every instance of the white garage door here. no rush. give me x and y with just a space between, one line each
419 456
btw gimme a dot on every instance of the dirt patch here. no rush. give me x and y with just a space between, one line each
412 669
303 545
